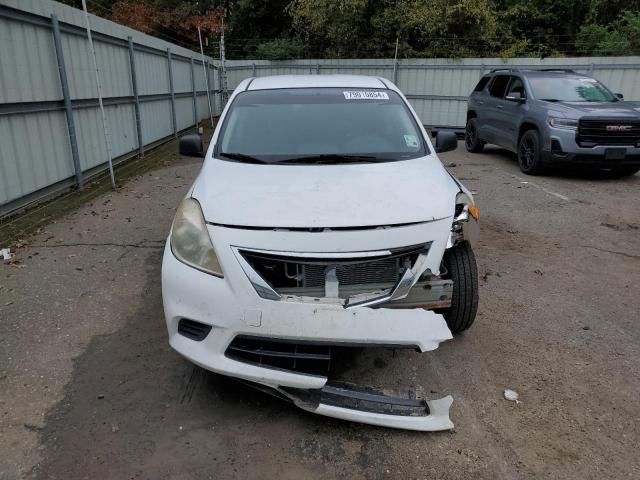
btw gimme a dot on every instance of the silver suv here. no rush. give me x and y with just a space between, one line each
554 117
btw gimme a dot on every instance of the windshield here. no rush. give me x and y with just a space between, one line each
570 89
319 125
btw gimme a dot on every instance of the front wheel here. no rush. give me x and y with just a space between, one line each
471 139
460 263
529 154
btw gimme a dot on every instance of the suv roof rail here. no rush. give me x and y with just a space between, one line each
565 70
518 70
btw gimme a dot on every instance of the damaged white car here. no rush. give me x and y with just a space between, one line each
322 218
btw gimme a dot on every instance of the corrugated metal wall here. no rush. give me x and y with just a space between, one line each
35 148
438 88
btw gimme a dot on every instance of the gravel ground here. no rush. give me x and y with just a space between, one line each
89 387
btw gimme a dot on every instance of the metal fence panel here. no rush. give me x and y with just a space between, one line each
27 63
35 142
438 88
27 165
181 76
152 74
156 120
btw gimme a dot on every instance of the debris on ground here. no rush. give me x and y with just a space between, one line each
511 395
452 164
6 255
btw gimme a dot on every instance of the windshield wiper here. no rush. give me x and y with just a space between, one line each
241 157
331 158
550 100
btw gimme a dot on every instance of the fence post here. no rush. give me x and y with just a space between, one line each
136 98
73 140
207 69
253 69
396 67
318 69
220 89
195 95
173 95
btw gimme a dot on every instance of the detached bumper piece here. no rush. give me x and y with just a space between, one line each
373 407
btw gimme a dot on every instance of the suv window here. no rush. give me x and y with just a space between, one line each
482 83
570 89
516 86
499 85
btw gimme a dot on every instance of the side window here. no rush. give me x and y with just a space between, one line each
516 86
482 83
499 85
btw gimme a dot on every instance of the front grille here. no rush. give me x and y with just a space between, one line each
194 330
312 359
592 132
308 275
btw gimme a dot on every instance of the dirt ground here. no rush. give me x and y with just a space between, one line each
89 387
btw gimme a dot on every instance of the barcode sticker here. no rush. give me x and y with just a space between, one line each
365 95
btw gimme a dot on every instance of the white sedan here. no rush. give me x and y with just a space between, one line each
322 219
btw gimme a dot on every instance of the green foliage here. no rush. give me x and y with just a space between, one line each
280 29
279 49
621 37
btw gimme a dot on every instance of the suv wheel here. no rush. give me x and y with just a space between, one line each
529 157
471 139
460 263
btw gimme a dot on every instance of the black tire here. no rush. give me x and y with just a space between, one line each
625 171
471 140
529 153
460 263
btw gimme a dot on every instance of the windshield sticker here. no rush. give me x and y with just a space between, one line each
411 141
365 95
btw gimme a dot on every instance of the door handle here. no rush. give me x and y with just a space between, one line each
480 102
500 107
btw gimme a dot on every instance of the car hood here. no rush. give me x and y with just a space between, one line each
605 109
313 196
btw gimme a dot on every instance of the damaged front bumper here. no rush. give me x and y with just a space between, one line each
230 308
349 402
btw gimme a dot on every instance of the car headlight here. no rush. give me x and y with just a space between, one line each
190 241
566 123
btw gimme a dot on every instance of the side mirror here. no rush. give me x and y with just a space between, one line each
515 97
620 96
191 146
446 141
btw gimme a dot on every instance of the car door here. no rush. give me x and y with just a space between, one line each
509 113
490 129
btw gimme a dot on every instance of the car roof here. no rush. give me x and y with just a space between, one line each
317 81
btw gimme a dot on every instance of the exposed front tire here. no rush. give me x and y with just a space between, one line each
530 154
471 140
460 263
